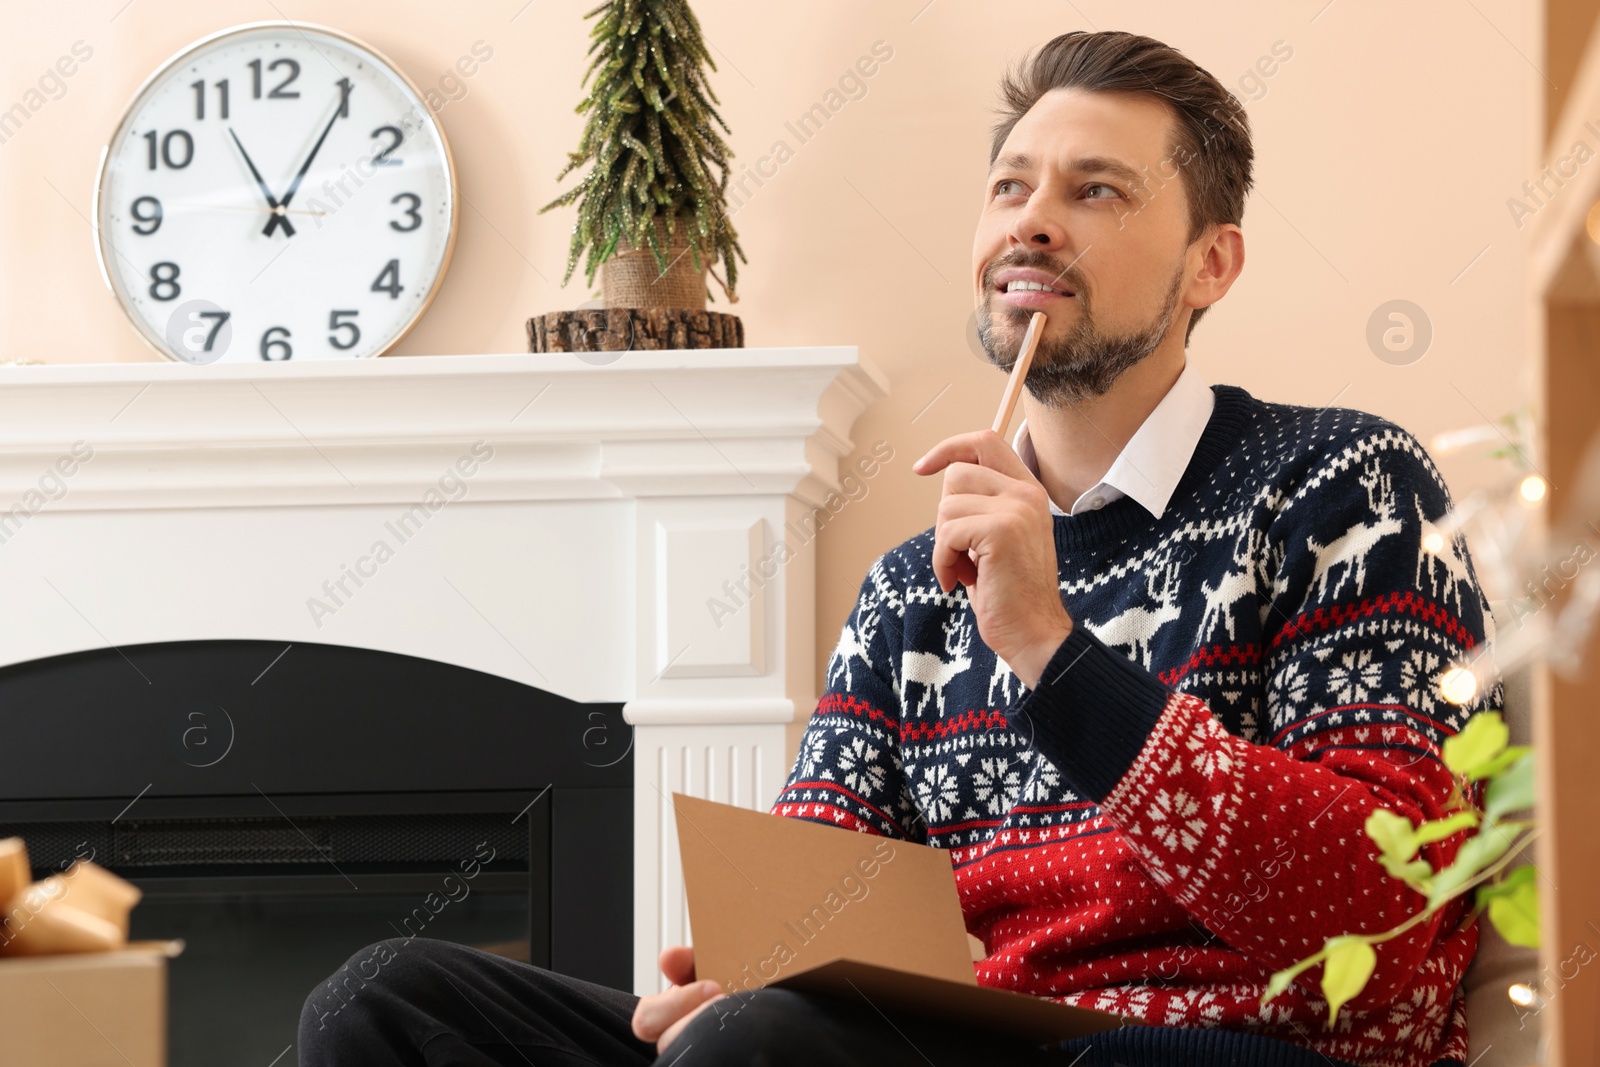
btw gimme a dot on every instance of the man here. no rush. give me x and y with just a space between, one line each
1145 677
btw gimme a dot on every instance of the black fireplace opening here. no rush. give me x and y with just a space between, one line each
283 806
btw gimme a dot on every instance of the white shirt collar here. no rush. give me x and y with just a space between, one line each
1149 466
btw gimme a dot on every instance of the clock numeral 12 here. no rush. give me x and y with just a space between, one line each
391 271
281 91
199 88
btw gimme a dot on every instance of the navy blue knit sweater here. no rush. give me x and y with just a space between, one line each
1176 810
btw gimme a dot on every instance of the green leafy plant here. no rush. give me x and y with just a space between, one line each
1479 753
650 136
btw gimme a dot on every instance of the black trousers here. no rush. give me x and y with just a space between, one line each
417 1002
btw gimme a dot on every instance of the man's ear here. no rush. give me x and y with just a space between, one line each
1216 257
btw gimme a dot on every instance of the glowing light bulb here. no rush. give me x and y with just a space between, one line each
1458 685
1433 542
1521 995
1532 489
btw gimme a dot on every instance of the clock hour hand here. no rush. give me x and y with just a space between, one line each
261 184
340 111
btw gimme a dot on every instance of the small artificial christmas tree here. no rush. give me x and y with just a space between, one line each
650 136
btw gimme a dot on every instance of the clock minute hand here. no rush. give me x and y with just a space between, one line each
344 104
262 185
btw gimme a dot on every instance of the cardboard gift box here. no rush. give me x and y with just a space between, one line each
799 905
73 990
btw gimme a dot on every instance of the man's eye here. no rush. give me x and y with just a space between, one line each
1101 185
1003 182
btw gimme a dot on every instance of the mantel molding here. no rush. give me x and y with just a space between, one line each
170 435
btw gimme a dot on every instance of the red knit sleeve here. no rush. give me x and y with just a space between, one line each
1262 842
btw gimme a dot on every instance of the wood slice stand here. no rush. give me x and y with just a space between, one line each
626 329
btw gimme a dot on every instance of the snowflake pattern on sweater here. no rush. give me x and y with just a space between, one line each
1176 810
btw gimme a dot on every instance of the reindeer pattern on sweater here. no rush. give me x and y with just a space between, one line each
1176 810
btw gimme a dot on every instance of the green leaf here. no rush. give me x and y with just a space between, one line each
1515 913
1398 840
1393 834
1351 961
1499 763
1413 872
1505 884
1476 854
1439 829
1280 979
1278 983
1512 790
1480 741
1397 843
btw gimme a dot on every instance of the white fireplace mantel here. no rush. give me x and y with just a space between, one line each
719 421
550 520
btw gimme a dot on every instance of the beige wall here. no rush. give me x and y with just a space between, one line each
1387 147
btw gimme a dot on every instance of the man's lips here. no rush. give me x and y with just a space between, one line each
1031 297
1035 288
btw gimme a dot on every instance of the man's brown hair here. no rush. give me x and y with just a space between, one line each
1211 133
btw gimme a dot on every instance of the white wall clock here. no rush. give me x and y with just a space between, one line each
275 191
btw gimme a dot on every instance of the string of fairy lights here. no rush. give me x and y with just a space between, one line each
1523 567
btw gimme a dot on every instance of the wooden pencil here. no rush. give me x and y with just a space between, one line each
1019 371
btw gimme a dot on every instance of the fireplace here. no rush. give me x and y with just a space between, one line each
283 628
281 807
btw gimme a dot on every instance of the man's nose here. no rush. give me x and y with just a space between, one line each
1037 226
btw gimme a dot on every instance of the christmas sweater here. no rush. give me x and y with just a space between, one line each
1176 810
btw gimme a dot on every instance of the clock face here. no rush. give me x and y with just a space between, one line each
276 191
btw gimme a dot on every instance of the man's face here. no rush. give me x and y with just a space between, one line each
1084 197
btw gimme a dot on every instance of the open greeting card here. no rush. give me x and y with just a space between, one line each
799 905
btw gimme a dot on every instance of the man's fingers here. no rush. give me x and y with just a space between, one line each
655 1013
954 506
964 477
677 963
983 447
961 505
951 562
671 1033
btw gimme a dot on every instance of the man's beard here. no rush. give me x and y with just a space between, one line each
1085 362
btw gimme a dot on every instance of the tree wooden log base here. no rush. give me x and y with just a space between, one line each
627 329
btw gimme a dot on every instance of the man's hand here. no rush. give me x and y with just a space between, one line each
660 1017
996 536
